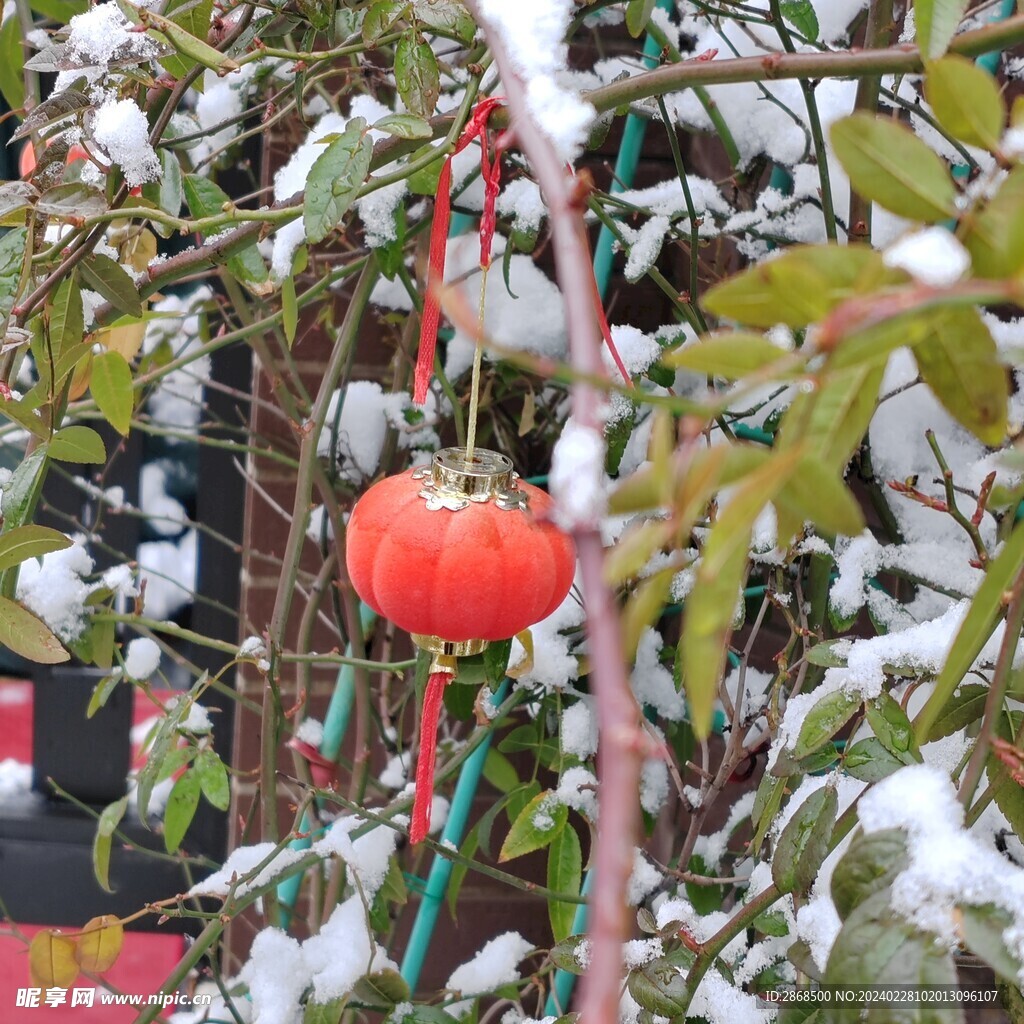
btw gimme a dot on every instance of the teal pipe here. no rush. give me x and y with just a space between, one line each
441 869
625 165
336 719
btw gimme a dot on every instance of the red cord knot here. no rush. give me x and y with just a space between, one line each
490 173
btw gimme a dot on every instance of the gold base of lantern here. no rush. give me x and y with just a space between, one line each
454 482
447 652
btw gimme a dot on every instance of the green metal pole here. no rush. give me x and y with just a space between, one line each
441 868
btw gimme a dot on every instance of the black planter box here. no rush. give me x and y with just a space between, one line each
86 757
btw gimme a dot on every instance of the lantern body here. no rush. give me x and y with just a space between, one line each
460 552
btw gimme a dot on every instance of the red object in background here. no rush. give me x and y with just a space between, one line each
27 159
146 959
482 573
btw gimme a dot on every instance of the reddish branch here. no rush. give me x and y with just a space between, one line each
622 745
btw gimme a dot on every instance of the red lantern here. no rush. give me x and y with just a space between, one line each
458 555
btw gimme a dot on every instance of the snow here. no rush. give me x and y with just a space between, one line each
533 34
169 569
198 721
311 731
253 647
835 16
577 788
396 773
495 965
652 681
948 866
102 33
56 591
554 664
367 856
366 414
578 730
242 862
15 777
932 255
643 879
166 515
638 952
577 481
122 130
142 658
276 976
654 783
521 200
343 951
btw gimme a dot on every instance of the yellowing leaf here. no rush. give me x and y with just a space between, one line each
966 101
100 943
535 826
125 338
51 960
888 164
23 633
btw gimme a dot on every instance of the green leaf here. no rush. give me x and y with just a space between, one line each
383 989
405 126
891 166
966 101
966 706
23 633
25 542
289 310
710 608
826 655
17 497
380 19
319 13
960 363
800 287
500 772
324 1013
78 444
59 10
981 930
565 874
804 841
638 14
111 280
767 801
729 356
447 16
188 46
213 778
12 252
830 422
535 827
869 761
66 317
165 737
891 726
824 720
705 899
985 611
869 866
816 493
660 987
16 197
72 201
565 955
335 179
935 23
12 56
207 199
1007 792
994 231
109 819
417 76
181 808
111 387
800 14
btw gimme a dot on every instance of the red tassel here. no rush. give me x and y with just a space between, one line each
424 799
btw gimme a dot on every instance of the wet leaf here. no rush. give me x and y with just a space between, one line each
535 826
804 841
335 179
417 75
